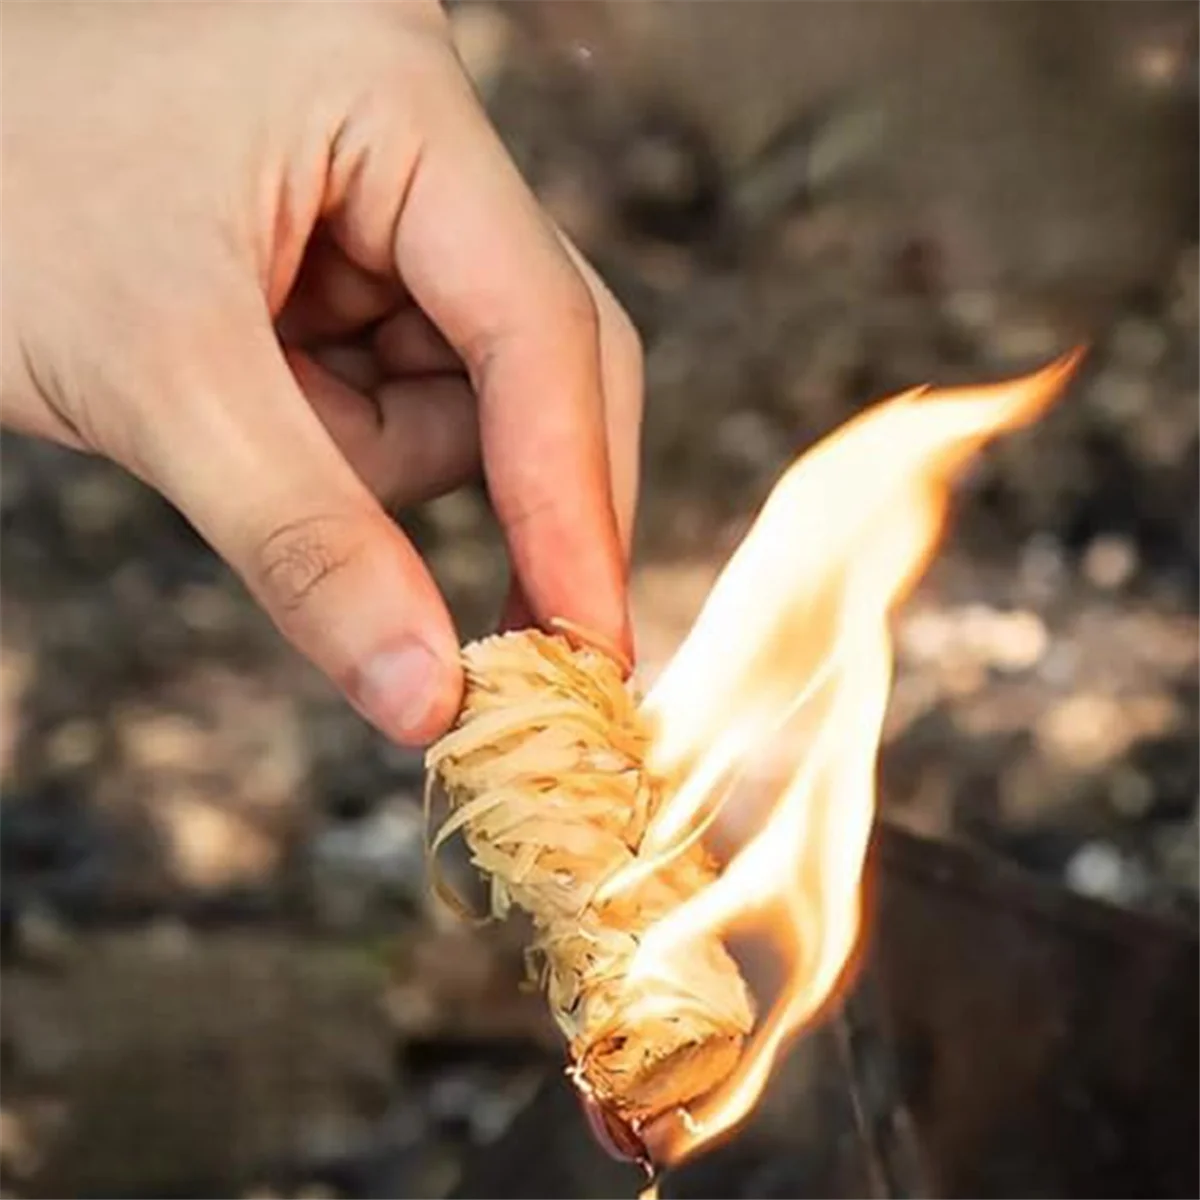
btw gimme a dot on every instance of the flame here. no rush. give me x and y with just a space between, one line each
768 718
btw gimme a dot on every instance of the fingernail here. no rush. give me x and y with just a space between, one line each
403 689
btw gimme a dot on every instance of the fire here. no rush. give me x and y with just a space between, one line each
768 718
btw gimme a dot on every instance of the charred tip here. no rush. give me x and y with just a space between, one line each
616 1136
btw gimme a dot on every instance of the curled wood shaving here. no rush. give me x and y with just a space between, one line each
545 777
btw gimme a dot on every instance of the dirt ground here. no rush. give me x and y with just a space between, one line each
222 973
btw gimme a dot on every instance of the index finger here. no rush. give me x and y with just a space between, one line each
479 256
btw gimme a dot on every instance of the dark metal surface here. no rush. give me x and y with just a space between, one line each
1048 1044
1002 1038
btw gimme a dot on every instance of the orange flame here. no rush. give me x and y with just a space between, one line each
768 718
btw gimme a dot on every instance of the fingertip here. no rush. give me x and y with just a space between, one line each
618 642
410 691
516 612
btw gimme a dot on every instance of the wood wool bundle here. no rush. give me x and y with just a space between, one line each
546 781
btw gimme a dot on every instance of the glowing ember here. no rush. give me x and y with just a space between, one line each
777 697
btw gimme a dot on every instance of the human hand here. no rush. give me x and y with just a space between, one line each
273 259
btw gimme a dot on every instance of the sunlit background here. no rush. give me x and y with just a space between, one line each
222 973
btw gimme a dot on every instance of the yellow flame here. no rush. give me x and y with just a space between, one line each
776 701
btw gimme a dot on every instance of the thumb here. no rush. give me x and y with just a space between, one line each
249 463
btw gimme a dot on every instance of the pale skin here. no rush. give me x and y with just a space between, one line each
273 259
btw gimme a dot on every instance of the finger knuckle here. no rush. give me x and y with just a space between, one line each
296 560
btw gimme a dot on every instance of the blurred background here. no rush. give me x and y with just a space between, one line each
221 972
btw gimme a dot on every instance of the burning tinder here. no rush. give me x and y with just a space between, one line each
737 796
547 777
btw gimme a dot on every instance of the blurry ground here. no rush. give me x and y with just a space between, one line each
221 970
